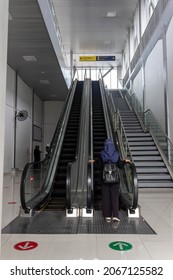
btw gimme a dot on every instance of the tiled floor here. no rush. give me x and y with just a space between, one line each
156 208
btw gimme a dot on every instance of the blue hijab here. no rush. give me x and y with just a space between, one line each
109 153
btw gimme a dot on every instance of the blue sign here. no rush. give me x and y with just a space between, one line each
105 58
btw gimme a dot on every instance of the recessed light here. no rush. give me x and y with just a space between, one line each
42 72
111 14
45 82
29 58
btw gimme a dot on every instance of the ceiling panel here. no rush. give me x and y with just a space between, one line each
85 30
28 36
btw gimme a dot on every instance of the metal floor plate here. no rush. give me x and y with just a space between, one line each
58 223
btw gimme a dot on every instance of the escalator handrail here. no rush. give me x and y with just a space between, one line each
135 185
77 167
134 174
59 130
90 187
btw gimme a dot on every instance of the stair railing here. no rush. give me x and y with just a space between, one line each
149 123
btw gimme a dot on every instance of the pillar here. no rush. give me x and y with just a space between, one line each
3 69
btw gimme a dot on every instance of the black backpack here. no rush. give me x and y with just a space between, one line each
110 173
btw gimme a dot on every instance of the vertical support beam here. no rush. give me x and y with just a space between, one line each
32 128
140 20
15 120
3 78
165 77
71 65
143 85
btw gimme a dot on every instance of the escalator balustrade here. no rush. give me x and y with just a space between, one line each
68 153
99 136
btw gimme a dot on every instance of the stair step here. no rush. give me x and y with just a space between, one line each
140 134
143 148
145 158
153 170
155 184
140 153
149 163
150 177
147 138
141 143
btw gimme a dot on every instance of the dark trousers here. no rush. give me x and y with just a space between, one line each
110 200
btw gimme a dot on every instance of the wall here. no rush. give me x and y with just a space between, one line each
137 87
18 139
52 111
38 119
9 121
23 128
3 69
154 84
170 79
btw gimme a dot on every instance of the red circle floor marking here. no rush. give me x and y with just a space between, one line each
25 245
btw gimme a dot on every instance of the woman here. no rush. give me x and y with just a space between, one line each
110 191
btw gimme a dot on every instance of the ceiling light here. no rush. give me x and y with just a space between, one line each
45 82
29 58
111 14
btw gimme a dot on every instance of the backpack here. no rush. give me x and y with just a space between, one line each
110 173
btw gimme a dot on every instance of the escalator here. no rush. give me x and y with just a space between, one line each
99 136
103 127
57 199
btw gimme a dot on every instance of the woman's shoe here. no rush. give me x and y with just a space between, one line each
115 219
108 219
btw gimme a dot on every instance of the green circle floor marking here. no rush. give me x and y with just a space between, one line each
120 245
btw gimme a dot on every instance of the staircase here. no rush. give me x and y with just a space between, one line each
151 169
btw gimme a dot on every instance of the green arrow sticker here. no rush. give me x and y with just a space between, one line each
120 245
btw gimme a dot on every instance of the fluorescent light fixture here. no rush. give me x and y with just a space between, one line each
45 82
29 58
111 14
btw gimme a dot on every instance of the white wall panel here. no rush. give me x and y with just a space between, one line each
24 128
137 87
154 84
9 120
170 78
52 111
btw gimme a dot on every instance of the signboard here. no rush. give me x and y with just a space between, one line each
105 58
97 58
25 245
120 245
87 58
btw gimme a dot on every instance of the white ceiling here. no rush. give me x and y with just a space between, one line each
85 30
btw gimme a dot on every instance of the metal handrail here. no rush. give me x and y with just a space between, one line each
167 154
